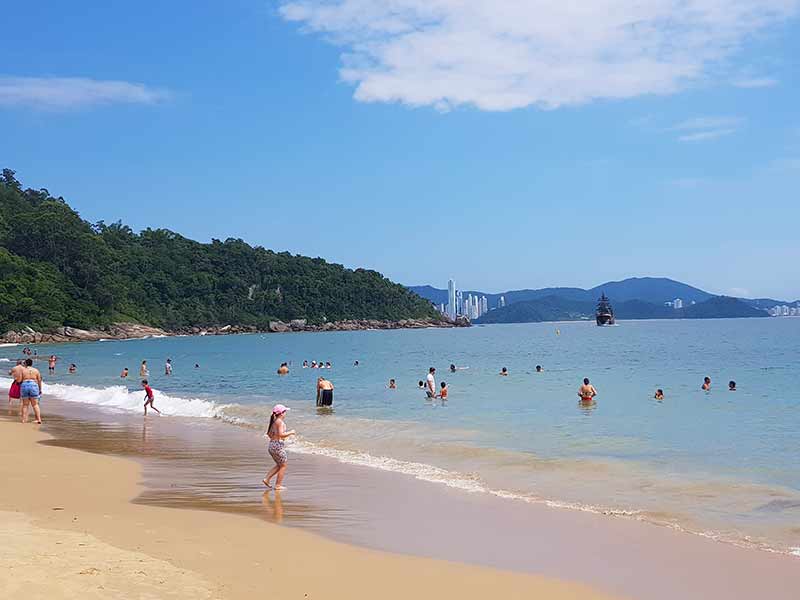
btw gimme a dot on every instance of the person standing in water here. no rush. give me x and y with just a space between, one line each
143 372
124 373
731 386
706 387
392 384
168 367
30 390
276 432
148 397
51 364
324 392
283 369
430 383
587 392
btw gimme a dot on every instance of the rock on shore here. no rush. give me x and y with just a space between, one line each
124 331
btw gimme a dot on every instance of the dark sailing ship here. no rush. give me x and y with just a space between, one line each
604 313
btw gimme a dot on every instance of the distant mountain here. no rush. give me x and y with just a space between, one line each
650 289
555 308
655 290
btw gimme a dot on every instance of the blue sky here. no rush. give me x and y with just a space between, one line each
506 144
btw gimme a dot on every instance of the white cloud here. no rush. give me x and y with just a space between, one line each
73 92
701 129
703 136
756 82
507 54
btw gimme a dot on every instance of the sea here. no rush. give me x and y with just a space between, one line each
720 464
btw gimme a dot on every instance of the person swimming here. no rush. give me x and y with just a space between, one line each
659 394
305 364
392 384
504 372
706 384
539 368
283 369
421 384
452 368
587 392
731 386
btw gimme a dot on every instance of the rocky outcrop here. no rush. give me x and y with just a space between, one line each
117 331
124 331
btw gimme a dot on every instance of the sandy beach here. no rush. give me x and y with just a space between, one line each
70 530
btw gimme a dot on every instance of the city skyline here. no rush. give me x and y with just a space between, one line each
586 154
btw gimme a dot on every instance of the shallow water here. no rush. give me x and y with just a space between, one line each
719 463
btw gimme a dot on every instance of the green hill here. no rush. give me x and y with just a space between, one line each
57 269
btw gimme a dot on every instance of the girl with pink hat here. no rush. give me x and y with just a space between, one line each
277 450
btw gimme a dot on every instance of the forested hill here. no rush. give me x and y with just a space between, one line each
57 269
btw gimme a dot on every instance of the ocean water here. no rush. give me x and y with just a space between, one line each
720 464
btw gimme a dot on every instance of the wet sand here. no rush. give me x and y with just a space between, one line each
214 466
69 530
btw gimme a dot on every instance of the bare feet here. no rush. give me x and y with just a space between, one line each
266 483
279 488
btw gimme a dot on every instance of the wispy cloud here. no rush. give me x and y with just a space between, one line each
756 82
700 129
704 136
502 55
73 92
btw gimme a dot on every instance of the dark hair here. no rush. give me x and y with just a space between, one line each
444 384
538 367
504 369
585 381
732 383
144 381
660 391
431 370
271 422
420 383
28 362
706 378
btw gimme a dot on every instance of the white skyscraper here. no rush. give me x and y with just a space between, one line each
677 303
502 302
484 305
459 303
451 299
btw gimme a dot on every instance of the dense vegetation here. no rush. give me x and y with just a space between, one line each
57 269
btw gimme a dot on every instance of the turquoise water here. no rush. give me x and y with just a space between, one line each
721 463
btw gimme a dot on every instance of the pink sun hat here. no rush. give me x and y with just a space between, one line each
279 409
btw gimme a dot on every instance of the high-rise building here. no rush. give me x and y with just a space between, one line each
502 302
451 299
677 303
459 302
484 305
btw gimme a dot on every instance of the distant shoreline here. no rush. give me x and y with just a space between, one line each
131 331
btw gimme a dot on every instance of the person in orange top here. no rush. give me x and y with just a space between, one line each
443 392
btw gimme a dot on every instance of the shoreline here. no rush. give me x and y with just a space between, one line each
91 539
388 512
133 331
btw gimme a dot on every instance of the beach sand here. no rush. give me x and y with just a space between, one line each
70 530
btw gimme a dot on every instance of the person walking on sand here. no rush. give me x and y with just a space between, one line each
587 392
143 372
30 390
16 380
276 432
324 392
148 397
